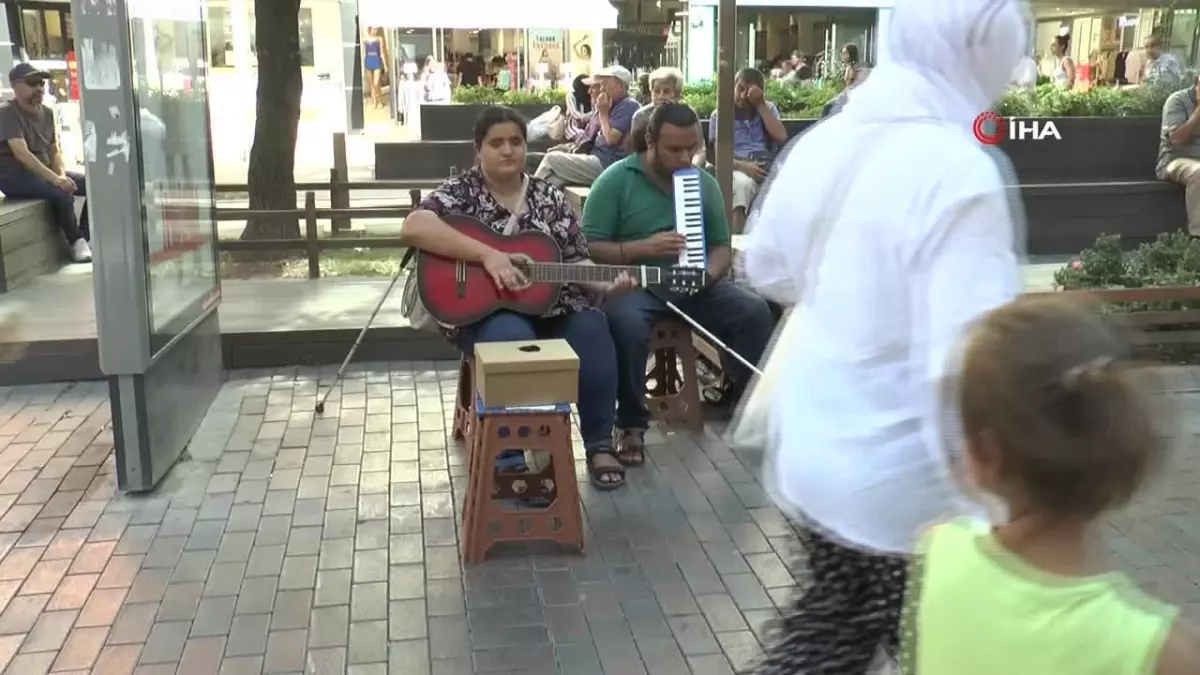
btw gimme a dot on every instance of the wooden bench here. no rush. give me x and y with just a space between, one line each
30 244
577 196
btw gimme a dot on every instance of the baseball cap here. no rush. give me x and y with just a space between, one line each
24 71
611 71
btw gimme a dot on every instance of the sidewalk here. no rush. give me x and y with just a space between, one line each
288 543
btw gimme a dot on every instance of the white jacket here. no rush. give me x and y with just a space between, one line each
921 242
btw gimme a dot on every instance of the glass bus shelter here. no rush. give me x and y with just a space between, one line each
150 185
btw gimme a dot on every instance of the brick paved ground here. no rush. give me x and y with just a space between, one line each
289 544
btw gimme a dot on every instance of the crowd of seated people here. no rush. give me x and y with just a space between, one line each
603 142
758 132
628 220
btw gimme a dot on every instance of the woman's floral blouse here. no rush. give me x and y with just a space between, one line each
547 210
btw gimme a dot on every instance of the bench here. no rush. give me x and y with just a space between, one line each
430 160
30 244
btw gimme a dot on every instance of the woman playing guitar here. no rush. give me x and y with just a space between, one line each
497 193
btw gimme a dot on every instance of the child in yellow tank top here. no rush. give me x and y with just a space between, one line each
1055 426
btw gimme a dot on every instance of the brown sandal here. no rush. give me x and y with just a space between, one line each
597 473
631 447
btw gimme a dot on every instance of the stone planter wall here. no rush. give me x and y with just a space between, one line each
1092 149
456 122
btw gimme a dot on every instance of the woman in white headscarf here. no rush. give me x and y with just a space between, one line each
905 238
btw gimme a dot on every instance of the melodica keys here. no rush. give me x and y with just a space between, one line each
689 218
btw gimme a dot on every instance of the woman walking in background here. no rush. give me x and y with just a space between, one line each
1064 67
852 69
375 63
859 460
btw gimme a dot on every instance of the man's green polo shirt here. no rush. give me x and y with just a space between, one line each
624 205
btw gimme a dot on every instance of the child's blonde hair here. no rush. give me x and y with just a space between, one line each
1050 383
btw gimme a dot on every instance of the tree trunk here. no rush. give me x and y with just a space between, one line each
271 178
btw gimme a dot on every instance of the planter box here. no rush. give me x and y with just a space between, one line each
428 160
456 122
1064 219
1092 149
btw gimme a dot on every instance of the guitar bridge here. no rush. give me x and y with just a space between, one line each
460 278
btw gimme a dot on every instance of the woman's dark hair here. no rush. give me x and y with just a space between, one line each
1047 386
804 72
1063 41
752 76
583 98
497 114
851 51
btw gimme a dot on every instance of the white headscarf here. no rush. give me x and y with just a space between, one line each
948 61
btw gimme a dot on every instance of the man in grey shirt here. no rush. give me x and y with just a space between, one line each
31 162
1179 149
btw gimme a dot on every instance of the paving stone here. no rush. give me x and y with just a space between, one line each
165 643
81 649
202 656
133 623
214 616
286 651
248 635
49 632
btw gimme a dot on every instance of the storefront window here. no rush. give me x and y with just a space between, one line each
221 39
306 37
47 34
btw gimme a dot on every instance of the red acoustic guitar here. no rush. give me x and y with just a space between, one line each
459 294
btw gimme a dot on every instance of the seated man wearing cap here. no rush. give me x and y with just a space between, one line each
615 109
31 163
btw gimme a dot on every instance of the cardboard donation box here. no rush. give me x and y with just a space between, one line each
537 372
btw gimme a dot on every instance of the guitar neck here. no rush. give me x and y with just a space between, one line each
581 274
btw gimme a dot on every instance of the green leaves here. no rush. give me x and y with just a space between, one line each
805 101
1171 260
493 96
1047 100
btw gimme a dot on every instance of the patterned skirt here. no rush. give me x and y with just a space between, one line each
852 607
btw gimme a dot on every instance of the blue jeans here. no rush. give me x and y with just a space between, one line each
24 185
588 334
737 316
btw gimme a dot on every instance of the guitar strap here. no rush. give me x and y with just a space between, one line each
510 227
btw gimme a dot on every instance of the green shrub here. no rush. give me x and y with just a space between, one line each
794 101
806 101
493 96
1171 260
1047 100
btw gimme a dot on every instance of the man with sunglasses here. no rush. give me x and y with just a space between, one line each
31 162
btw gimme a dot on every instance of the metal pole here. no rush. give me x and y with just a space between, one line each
726 48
